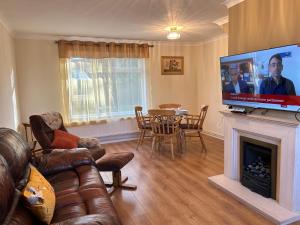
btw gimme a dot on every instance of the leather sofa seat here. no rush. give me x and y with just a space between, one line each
80 192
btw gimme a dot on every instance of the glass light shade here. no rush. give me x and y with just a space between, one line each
173 35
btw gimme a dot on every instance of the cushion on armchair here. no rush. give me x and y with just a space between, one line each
64 139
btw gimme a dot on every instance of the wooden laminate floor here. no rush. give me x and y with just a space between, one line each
178 192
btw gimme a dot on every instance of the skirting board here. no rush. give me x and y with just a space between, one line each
118 138
134 135
213 134
265 206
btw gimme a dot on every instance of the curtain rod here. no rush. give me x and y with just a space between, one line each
150 46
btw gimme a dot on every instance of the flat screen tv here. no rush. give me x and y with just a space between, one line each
263 79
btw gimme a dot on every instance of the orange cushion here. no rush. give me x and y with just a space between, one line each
64 139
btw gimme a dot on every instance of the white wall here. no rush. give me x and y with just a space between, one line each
9 111
209 82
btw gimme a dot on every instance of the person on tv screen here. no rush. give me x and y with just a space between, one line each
276 84
236 85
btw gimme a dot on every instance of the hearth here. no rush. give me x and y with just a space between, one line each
258 166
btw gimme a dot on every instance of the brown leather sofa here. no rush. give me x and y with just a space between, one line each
81 196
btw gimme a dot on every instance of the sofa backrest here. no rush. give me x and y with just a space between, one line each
15 155
6 190
16 151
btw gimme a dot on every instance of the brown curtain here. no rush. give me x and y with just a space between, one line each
88 49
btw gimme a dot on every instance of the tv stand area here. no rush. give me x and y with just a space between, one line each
262 111
266 114
239 109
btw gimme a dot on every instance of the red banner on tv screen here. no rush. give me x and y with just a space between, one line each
282 100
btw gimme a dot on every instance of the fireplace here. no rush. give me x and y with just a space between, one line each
258 166
278 129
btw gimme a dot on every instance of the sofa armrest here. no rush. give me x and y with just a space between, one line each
63 159
94 219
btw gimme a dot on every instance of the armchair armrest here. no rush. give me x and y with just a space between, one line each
95 219
63 159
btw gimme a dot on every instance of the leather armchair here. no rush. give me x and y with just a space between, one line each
44 134
43 127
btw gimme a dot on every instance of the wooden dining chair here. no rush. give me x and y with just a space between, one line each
193 126
165 127
169 106
143 123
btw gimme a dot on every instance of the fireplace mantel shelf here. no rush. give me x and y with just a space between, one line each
276 117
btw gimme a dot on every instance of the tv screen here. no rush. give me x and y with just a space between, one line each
263 79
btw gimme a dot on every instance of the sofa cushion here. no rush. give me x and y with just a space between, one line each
80 192
39 196
64 139
59 160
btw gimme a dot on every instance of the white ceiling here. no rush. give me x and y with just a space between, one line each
118 19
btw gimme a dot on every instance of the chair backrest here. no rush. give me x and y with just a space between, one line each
161 112
164 121
196 121
139 116
202 115
170 106
43 133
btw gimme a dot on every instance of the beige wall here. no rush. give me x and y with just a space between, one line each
173 88
261 24
38 77
37 63
209 82
9 112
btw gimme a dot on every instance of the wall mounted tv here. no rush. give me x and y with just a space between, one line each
263 79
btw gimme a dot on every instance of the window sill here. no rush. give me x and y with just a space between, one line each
100 121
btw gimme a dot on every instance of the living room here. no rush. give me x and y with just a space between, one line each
31 83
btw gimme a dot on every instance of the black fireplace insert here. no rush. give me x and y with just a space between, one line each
258 166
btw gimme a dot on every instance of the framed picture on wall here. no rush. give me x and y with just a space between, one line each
172 65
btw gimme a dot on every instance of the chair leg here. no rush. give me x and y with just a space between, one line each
153 145
143 136
184 139
159 145
139 141
119 183
172 148
202 142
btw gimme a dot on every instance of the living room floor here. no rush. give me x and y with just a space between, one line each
177 192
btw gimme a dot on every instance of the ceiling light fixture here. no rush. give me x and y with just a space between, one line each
174 32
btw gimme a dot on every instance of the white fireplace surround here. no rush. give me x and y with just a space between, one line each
278 130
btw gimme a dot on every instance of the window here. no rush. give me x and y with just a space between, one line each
105 88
